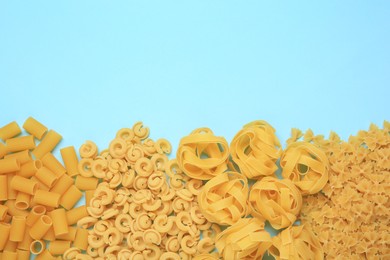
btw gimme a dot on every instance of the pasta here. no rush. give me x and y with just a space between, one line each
88 150
223 199
81 240
35 213
278 201
18 144
306 166
37 247
29 168
22 156
3 150
11 193
47 198
3 188
202 155
86 183
4 233
69 157
8 165
17 230
25 185
10 255
62 185
22 201
48 143
70 197
50 162
59 247
23 254
40 227
60 224
10 130
46 176
27 240
35 128
3 212
255 149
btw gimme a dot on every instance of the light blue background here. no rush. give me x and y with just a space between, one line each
89 68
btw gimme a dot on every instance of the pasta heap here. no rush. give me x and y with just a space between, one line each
144 206
38 194
351 216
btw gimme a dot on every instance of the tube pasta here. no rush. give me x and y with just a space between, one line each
70 159
11 193
13 211
4 234
62 185
47 198
23 254
3 150
70 236
70 197
246 239
40 227
49 236
306 166
18 227
8 165
48 143
3 212
22 156
27 240
22 201
51 162
86 183
25 185
58 247
60 224
29 168
278 201
202 155
9 130
18 144
224 198
35 213
35 128
37 247
81 240
10 255
3 188
45 255
255 149
46 176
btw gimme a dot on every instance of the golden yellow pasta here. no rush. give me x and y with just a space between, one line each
70 159
8 165
3 188
37 247
202 155
81 240
47 198
29 168
18 144
278 201
51 162
46 255
13 211
23 254
62 185
60 224
49 235
41 185
22 156
48 143
3 212
255 149
58 247
22 201
3 150
88 150
306 166
4 234
246 239
40 227
88 196
70 197
34 127
223 199
75 214
10 130
27 240
25 185
70 236
18 227
296 242
46 176
10 255
10 191
11 246
86 183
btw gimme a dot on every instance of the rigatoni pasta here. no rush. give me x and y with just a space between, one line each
48 143
35 128
10 130
47 198
40 227
29 168
18 227
70 197
25 185
4 234
69 157
3 188
18 144
8 165
51 162
60 224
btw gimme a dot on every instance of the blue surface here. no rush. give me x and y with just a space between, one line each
88 68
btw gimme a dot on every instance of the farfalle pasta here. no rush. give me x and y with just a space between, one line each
296 242
278 201
223 199
245 239
255 149
202 155
306 166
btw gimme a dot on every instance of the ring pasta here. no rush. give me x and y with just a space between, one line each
10 130
25 185
69 157
18 144
255 149
22 201
8 165
48 143
278 201
35 128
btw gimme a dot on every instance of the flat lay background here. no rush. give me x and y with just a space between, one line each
89 68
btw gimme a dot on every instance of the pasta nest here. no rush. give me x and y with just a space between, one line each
296 242
246 239
202 155
306 166
223 199
255 149
278 201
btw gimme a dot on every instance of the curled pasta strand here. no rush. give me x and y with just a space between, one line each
85 167
134 153
118 148
163 146
88 150
71 253
141 131
125 134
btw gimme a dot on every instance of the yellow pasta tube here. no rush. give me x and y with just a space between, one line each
4 234
46 176
29 168
10 191
60 224
70 236
51 162
58 247
46 255
24 185
18 227
70 197
22 156
86 183
34 127
40 227
20 143
37 246
3 212
35 213
27 240
49 236
9 255
81 240
47 198
62 185
23 254
22 201
8 165
69 157
10 130
11 246
75 214
48 143
3 150
41 185
13 211
3 188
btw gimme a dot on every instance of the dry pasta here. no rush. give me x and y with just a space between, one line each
40 227
48 143
17 230
70 159
22 201
60 225
18 144
70 197
4 233
37 247
35 128
8 165
47 198
3 188
58 247
10 130
22 156
25 185
29 168
50 162
3 212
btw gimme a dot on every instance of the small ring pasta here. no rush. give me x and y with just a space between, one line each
88 150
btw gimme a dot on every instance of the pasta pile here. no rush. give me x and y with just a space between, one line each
351 216
143 207
37 194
